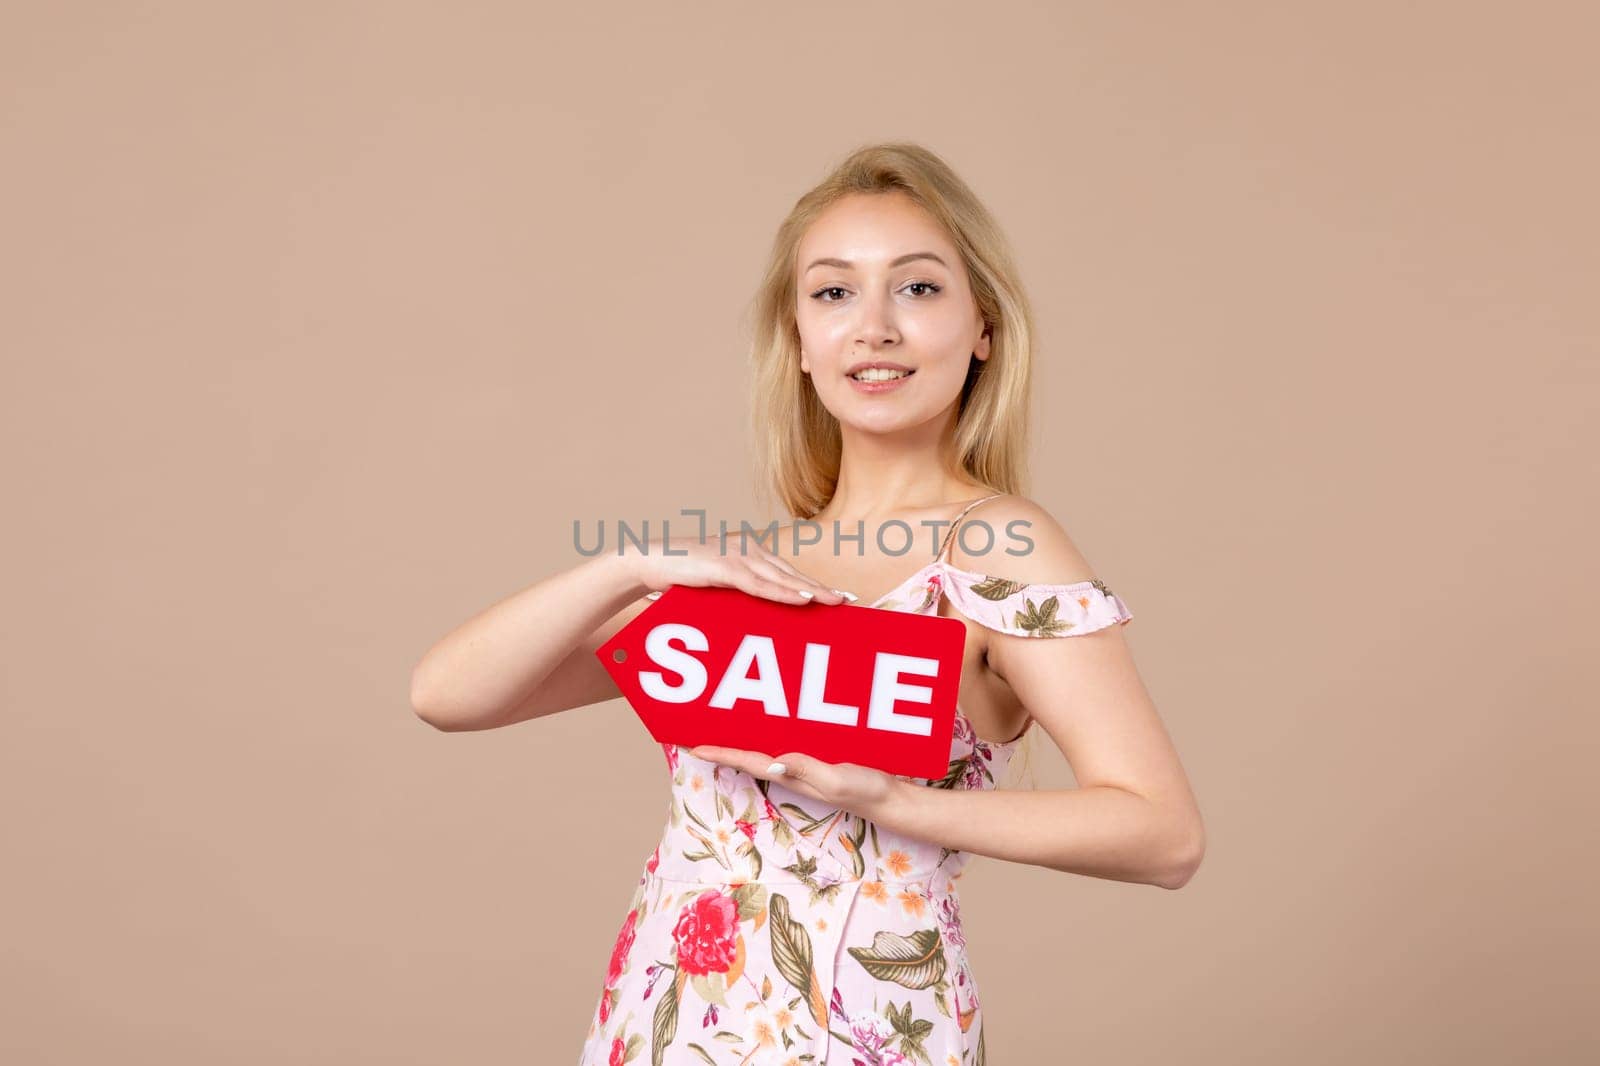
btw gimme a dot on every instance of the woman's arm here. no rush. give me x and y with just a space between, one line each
531 654
1104 831
1134 816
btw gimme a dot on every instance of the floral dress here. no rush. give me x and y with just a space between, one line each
771 930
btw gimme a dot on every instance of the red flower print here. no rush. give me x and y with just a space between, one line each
605 1004
655 859
705 933
747 828
619 953
617 1048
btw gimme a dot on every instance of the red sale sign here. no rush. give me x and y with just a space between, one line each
844 684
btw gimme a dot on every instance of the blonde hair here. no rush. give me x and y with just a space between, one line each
797 440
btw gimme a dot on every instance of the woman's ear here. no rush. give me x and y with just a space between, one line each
981 351
805 365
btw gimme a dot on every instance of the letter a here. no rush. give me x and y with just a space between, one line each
766 687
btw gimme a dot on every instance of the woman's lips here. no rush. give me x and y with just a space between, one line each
874 387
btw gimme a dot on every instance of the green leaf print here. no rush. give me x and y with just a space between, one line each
665 1024
856 836
1040 621
698 1050
711 848
711 987
749 851
913 1032
997 588
915 961
791 954
805 868
751 899
697 819
811 824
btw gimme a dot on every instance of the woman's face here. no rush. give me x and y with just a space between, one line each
880 283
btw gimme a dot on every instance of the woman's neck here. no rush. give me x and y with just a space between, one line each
889 493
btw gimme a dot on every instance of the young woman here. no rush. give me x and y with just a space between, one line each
797 911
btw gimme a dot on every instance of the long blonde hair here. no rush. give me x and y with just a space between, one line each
797 441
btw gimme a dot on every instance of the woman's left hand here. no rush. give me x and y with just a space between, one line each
861 790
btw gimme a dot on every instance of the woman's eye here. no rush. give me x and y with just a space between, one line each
819 294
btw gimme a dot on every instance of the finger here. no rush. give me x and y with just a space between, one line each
808 589
782 572
833 595
756 763
783 566
776 589
797 767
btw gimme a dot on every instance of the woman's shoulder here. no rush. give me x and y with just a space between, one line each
1024 574
1023 541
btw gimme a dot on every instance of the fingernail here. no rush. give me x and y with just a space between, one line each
807 593
851 596
777 769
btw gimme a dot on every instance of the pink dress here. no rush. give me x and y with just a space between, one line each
770 930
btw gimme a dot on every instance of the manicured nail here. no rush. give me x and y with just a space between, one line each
777 769
807 593
851 596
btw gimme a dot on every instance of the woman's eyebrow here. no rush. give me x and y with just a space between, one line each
845 264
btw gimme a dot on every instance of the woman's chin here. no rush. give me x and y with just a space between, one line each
882 421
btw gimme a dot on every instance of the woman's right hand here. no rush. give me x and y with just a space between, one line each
711 562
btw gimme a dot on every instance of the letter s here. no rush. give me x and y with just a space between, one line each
661 653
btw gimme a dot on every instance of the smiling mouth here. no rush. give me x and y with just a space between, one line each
875 373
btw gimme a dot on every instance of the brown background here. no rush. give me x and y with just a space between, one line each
323 322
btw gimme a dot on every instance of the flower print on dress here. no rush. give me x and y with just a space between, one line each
949 912
706 933
764 1031
619 962
870 1033
873 1036
975 771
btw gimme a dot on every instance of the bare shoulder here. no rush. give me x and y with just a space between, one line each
1025 543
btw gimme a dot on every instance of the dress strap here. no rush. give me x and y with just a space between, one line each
950 537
